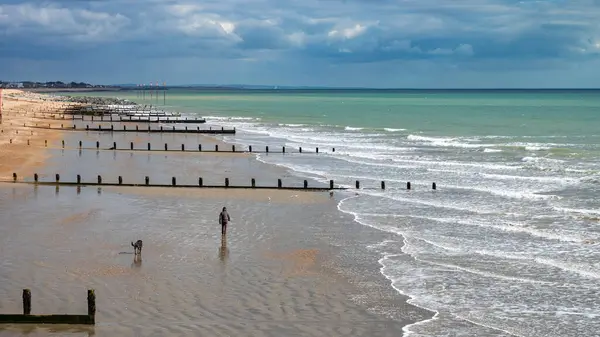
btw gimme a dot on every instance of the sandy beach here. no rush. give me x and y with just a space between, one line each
288 266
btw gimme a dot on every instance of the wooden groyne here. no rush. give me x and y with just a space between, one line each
136 129
227 184
216 149
120 119
28 318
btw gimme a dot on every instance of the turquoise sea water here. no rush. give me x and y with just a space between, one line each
509 244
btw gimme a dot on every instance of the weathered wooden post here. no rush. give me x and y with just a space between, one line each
91 301
253 182
226 182
99 179
147 180
161 128
35 177
78 179
97 144
148 128
11 140
166 148
63 144
305 184
233 148
114 145
131 145
112 127
408 185
26 302
216 148
173 128
100 127
62 126
14 177
279 184
120 180
174 181
433 186
267 149
250 148
333 149
330 184
357 184
80 144
57 177
317 150
283 149
199 147
200 182
124 127
148 146
300 149
182 147
27 141
46 143
383 185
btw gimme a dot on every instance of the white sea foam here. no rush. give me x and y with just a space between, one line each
350 128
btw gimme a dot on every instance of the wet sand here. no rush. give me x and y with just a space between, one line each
291 264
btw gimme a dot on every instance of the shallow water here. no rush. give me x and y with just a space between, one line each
272 276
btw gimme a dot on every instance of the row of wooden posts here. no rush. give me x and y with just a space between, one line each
201 183
138 129
200 148
28 318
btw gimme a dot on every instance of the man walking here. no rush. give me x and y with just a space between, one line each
223 220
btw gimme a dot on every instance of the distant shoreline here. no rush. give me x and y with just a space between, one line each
303 90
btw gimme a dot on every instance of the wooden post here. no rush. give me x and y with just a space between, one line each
200 183
253 182
305 184
279 184
148 146
114 145
333 150
46 143
267 149
226 182
174 181
80 144
91 300
166 148
63 144
408 185
97 144
161 128
35 177
383 185
27 141
300 149
120 180
124 127
137 128
14 177
99 179
78 179
233 148
317 150
182 147
330 184
250 148
57 177
147 179
199 147
357 184
283 149
433 186
26 302
131 145
216 148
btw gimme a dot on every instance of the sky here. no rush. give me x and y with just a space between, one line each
339 43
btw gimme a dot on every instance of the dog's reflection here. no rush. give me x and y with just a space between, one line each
137 261
223 250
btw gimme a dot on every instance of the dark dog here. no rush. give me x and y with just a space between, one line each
137 247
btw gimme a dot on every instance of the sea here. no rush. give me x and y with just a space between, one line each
509 241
